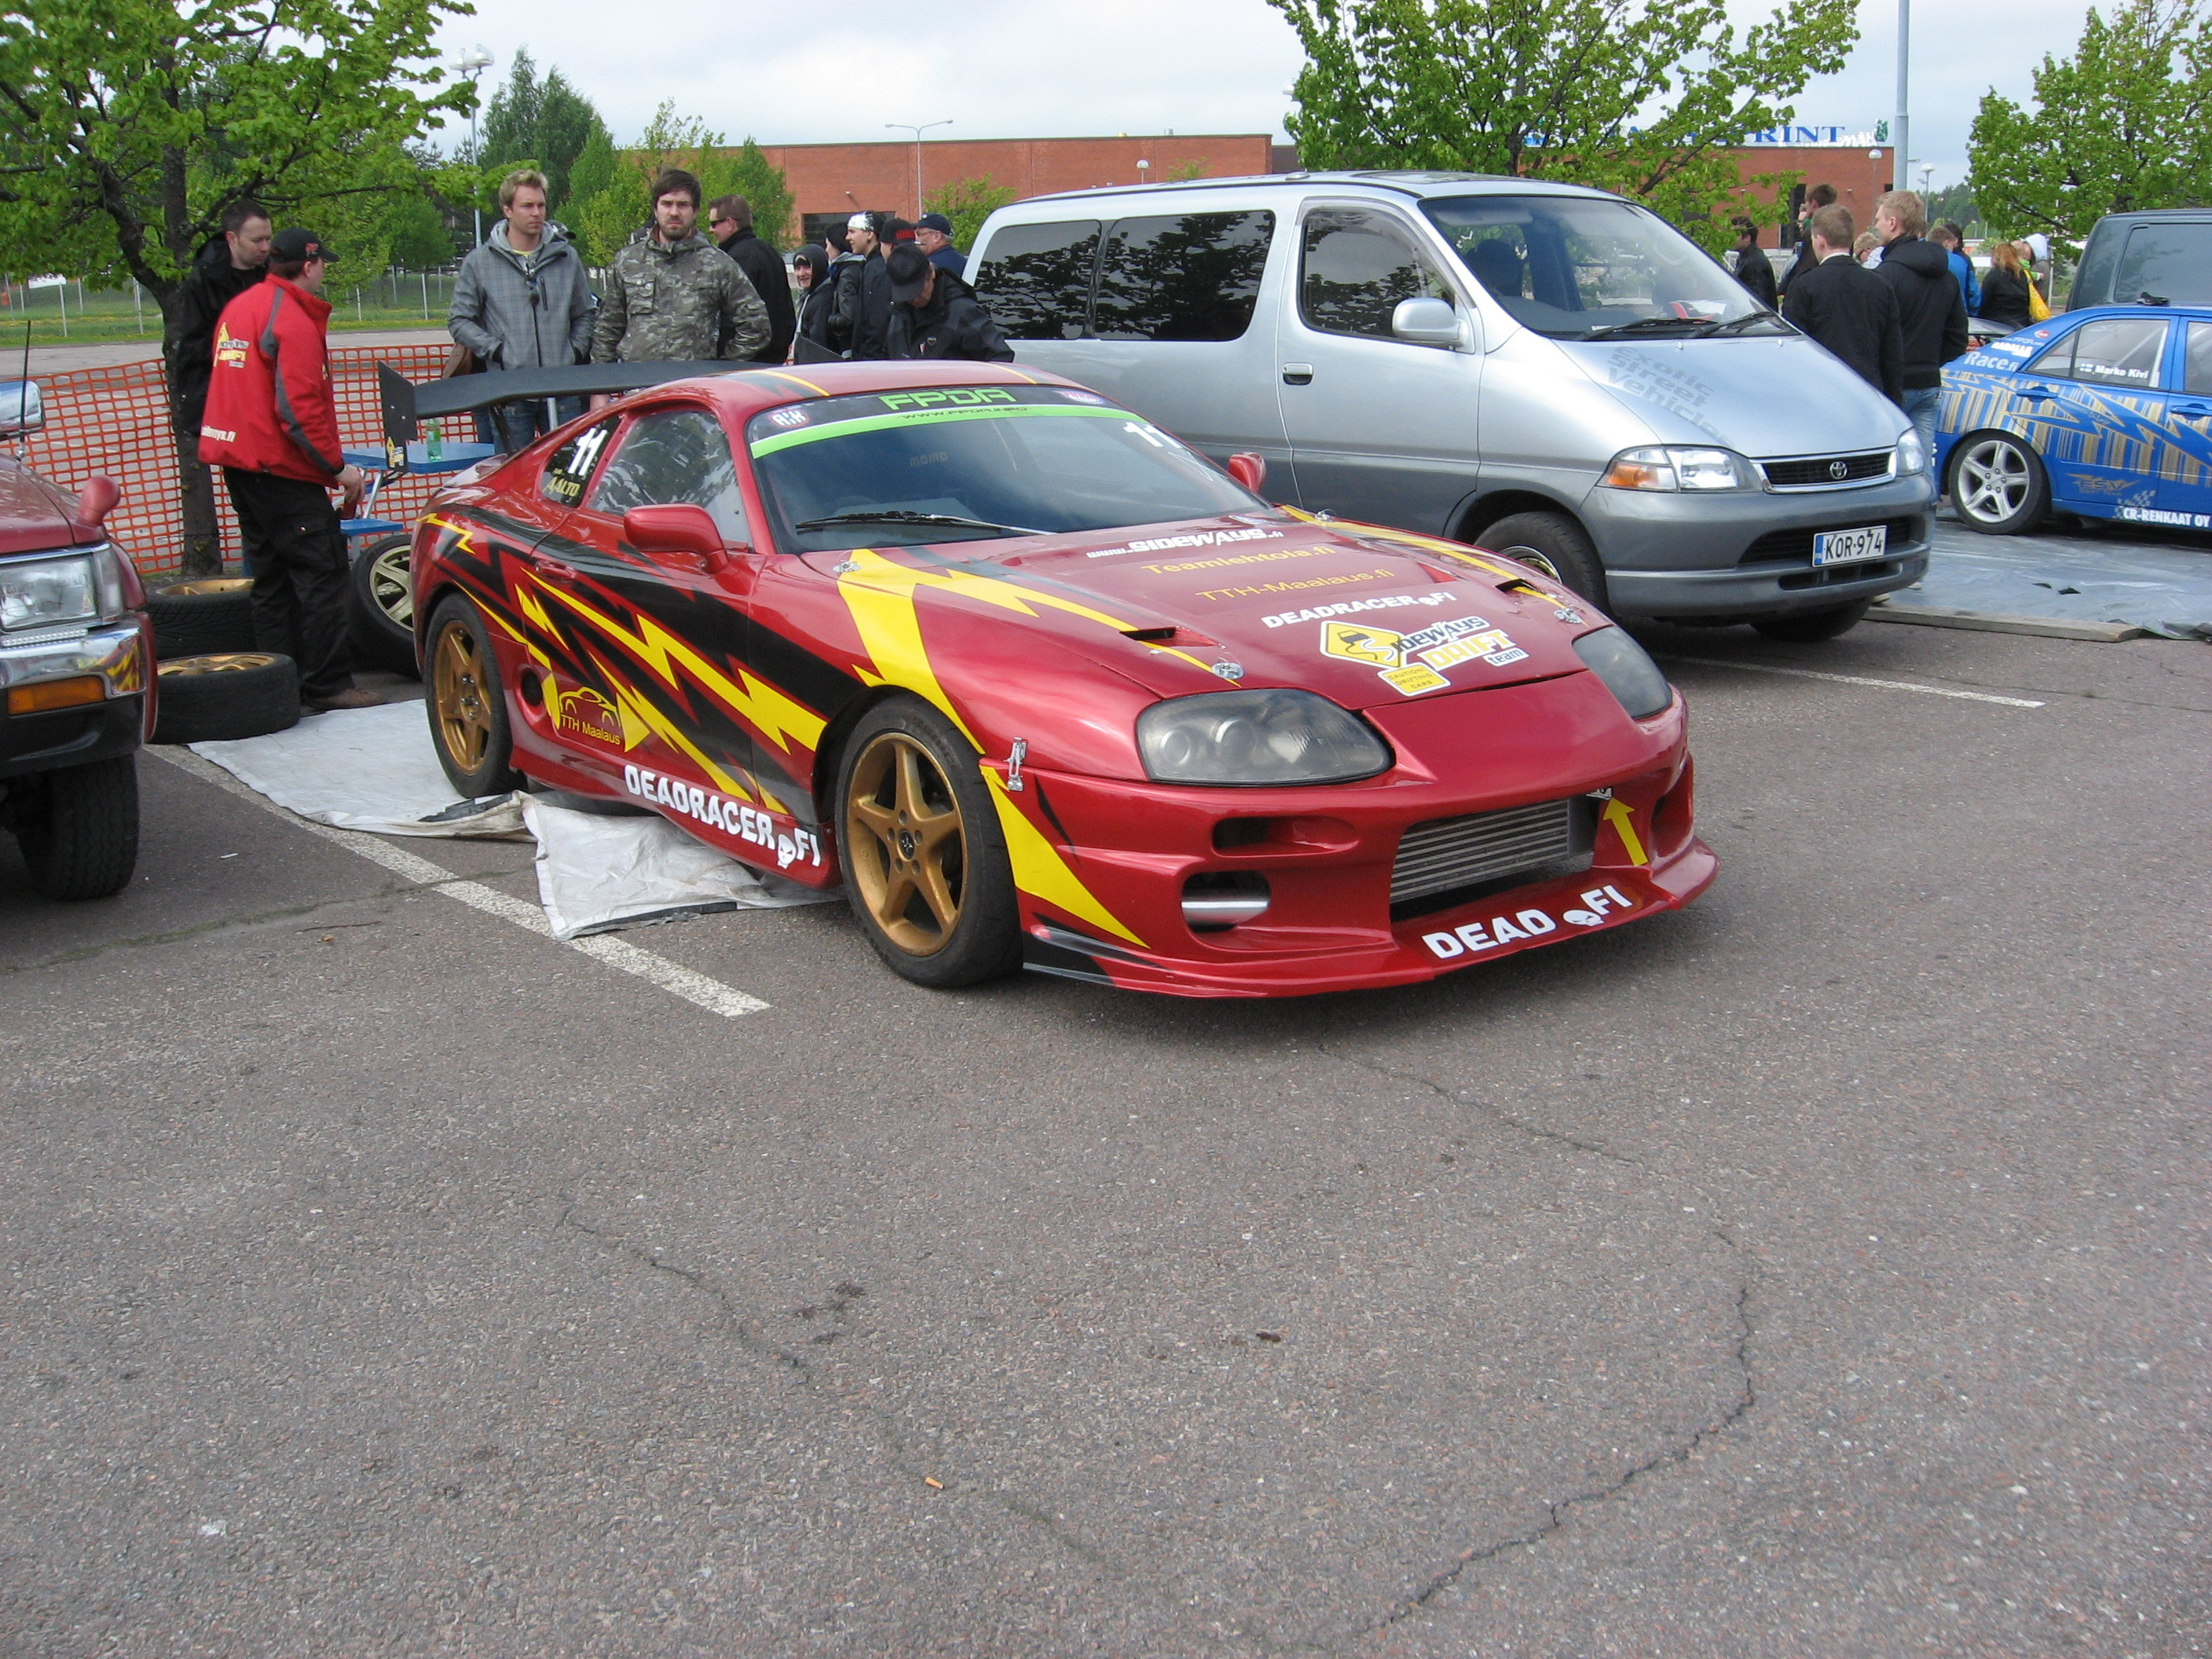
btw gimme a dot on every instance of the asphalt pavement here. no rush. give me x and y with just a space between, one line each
1818 1271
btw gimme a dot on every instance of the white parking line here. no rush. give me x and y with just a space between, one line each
1857 679
697 988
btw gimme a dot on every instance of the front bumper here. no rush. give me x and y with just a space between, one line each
1327 857
118 653
1724 556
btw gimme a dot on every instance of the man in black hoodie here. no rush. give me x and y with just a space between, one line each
228 266
936 314
731 221
1930 309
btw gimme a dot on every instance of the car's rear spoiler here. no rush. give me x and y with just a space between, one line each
407 402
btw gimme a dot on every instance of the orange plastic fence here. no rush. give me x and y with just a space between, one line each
116 420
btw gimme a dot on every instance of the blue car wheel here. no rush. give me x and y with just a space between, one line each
1997 483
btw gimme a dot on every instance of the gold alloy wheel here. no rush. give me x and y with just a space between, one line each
216 662
391 588
906 844
458 695
210 586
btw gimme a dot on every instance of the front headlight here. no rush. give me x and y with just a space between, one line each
1256 738
1912 454
47 592
1673 467
1627 671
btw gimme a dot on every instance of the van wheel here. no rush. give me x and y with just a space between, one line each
1806 627
80 832
1550 543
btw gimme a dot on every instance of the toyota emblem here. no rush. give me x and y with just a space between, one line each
1839 470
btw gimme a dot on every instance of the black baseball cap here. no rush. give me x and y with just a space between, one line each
297 246
936 221
909 271
897 230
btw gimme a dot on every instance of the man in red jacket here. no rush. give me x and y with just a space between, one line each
272 427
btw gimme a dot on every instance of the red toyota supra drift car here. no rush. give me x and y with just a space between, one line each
1044 687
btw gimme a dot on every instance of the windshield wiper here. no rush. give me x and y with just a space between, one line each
899 515
1738 324
1698 326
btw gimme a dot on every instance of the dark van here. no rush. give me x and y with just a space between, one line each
2152 258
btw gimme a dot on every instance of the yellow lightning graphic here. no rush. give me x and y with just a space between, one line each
1617 814
881 597
761 705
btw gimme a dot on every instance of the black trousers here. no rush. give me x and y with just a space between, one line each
297 554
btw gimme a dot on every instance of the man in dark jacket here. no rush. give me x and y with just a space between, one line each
864 294
1818 197
1847 307
272 427
1751 267
730 220
226 268
1930 310
936 314
933 234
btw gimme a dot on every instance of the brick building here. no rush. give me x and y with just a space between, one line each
829 182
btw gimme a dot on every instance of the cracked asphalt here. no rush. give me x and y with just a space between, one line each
1818 1271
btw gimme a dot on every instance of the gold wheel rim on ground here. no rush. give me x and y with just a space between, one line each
215 662
906 843
210 586
391 585
458 696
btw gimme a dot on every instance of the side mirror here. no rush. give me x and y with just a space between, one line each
1251 471
97 499
22 408
683 532
1425 322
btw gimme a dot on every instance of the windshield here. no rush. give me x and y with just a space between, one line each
955 463
1583 268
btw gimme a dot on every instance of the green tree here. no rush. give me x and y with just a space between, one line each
131 126
615 210
546 123
2118 126
967 202
1642 98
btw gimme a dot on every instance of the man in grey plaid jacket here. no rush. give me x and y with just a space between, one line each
521 301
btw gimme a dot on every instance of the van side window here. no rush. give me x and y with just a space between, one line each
1357 266
2168 262
1035 280
2120 351
1183 276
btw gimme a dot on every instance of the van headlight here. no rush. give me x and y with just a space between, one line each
1628 672
1912 454
1671 466
1256 738
48 593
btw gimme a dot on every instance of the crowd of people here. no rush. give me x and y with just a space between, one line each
1893 301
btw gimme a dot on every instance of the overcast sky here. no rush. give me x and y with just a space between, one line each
789 73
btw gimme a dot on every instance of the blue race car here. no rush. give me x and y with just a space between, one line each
2105 412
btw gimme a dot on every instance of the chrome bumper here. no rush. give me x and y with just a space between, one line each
116 652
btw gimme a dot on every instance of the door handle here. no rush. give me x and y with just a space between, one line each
566 573
2037 393
2195 411
1298 373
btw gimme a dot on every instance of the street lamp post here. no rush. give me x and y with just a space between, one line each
1899 134
908 127
473 63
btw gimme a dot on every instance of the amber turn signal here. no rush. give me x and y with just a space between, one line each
55 693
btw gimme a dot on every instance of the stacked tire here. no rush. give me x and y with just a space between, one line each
218 696
201 617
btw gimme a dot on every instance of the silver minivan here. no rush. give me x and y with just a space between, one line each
1544 370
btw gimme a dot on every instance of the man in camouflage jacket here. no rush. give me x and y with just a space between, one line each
673 296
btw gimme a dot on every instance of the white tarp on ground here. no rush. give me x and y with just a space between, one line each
363 769
595 873
375 770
